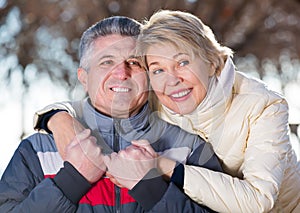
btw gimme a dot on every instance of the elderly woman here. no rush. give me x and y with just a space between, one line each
195 81
197 88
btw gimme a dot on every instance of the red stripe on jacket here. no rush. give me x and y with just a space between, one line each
103 193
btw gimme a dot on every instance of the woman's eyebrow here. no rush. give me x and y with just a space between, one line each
178 55
174 57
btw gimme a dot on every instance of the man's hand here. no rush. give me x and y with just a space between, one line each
130 165
85 155
64 128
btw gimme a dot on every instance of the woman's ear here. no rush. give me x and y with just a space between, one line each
212 70
82 76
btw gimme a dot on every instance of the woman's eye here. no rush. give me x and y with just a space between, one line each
158 71
183 63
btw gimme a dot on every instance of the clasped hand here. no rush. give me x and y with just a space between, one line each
125 168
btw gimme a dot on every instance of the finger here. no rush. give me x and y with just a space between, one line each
77 126
74 142
81 136
114 181
134 153
93 139
131 151
133 148
108 158
123 153
107 173
84 134
145 145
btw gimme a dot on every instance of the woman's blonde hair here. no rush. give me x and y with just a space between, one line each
186 32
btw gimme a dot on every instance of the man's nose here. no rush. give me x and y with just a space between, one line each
122 71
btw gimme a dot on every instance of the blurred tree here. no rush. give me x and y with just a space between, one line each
42 36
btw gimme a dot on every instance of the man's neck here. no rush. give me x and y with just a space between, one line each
119 114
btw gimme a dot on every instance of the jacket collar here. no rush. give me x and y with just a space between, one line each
105 124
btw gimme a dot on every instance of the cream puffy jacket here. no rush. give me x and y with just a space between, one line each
247 125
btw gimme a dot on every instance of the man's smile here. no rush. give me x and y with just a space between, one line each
120 89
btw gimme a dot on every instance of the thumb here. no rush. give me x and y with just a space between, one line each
106 160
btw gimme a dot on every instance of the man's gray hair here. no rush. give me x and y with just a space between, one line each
120 25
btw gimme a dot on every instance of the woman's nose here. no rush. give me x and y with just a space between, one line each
173 79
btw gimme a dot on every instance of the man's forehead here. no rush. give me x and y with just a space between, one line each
116 51
118 47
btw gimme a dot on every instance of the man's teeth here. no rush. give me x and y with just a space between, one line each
118 89
181 94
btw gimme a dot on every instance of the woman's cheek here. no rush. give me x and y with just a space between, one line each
157 83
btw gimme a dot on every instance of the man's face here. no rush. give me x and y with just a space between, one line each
115 82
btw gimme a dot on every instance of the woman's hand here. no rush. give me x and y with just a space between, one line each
127 167
165 165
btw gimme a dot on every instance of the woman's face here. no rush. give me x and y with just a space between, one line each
179 81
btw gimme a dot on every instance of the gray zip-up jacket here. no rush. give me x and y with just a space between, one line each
37 179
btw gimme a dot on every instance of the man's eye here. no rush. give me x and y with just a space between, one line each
134 63
108 62
183 63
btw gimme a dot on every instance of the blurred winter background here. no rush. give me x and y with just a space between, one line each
39 44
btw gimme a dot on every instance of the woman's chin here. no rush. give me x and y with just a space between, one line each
183 110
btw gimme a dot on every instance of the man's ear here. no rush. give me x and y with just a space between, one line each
82 77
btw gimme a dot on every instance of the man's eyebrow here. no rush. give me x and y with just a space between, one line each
102 58
105 56
133 56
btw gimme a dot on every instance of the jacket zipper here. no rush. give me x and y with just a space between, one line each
116 148
118 199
